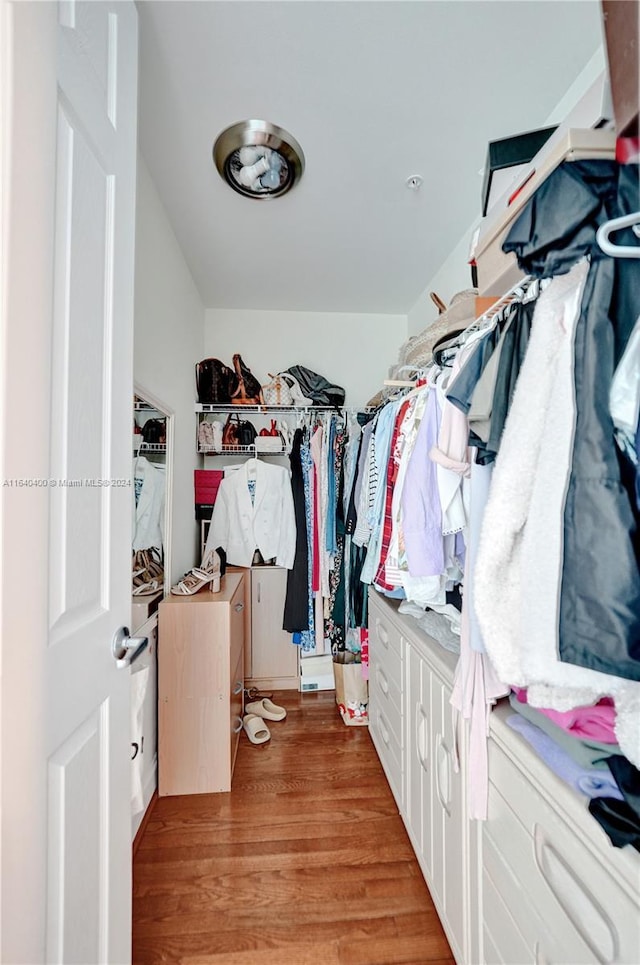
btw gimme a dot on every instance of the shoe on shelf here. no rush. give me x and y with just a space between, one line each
145 589
211 564
147 576
266 709
256 729
193 581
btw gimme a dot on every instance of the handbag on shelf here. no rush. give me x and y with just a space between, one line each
238 432
277 391
215 382
284 389
154 432
210 435
248 391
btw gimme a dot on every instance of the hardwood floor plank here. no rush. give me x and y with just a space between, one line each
305 860
316 954
248 825
406 951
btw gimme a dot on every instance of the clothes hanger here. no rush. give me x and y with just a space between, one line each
251 467
616 224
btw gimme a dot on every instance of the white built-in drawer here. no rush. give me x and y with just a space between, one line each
388 748
565 903
385 693
385 644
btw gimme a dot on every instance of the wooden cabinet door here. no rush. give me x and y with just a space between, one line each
272 652
450 876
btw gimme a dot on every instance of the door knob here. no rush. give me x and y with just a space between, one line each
126 649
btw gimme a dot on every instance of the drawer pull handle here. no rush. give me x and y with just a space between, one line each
238 687
238 727
382 634
384 733
576 899
443 776
382 681
422 742
239 607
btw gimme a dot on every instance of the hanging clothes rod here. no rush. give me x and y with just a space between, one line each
524 290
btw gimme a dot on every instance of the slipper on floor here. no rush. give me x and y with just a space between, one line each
267 709
255 729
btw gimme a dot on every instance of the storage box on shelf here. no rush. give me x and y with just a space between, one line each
506 159
498 272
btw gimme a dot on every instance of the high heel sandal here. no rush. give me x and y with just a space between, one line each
192 582
211 564
199 576
147 572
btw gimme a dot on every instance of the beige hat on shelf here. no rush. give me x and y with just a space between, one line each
460 313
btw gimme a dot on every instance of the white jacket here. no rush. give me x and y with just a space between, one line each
268 525
148 511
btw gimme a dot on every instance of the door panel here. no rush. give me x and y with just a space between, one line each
90 503
79 534
78 845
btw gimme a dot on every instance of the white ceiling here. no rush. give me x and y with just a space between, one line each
374 92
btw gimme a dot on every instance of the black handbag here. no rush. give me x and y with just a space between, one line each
316 387
215 382
238 432
154 432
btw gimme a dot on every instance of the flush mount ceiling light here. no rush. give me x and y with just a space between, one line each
258 159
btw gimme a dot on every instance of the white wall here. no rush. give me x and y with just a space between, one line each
354 351
454 274
169 327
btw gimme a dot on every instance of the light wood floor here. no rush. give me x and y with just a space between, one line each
306 860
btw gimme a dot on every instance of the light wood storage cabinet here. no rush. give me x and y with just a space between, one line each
539 881
200 688
270 658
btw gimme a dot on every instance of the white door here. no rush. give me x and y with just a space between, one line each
69 219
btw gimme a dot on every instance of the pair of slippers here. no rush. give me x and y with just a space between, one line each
257 712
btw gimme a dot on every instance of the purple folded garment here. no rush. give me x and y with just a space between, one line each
588 781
